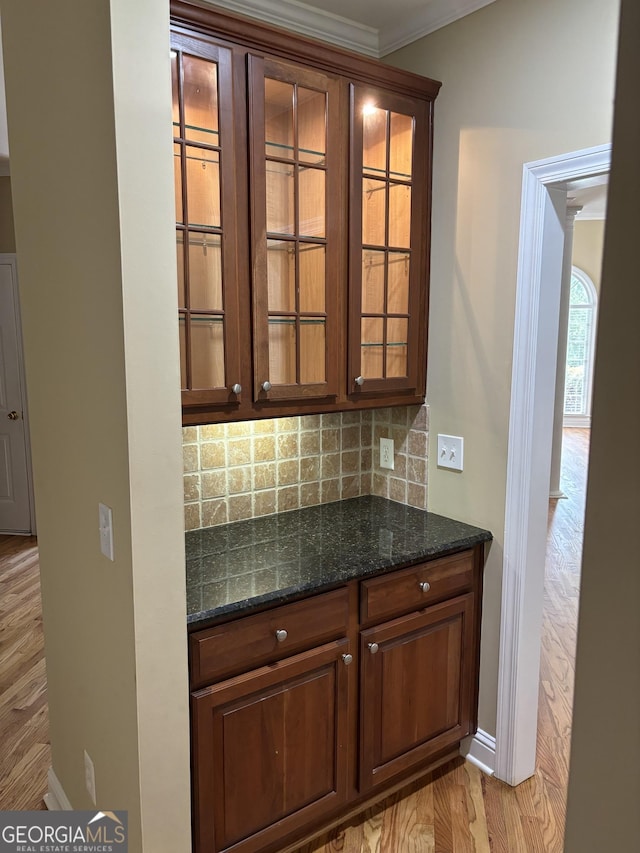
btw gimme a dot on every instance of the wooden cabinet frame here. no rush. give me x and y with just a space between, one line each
253 45
228 229
427 655
258 69
415 380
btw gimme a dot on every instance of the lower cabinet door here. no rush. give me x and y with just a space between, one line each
416 688
270 750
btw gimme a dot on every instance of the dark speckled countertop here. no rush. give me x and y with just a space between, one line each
236 568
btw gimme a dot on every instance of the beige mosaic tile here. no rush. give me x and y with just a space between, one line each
213 454
213 483
214 512
191 487
239 470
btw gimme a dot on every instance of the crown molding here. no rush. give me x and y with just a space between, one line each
431 17
309 21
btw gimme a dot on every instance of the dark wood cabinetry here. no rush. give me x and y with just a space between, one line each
303 180
415 696
303 712
270 750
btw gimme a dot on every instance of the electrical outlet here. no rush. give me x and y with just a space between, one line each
386 453
105 525
450 452
90 777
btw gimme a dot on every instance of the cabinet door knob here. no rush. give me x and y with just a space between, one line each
281 635
347 659
13 416
359 380
425 586
373 648
266 386
237 388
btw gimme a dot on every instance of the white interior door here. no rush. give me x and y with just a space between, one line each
15 498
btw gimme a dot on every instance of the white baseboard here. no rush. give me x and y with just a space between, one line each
55 799
480 749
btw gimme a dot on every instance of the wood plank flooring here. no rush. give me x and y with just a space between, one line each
457 809
25 755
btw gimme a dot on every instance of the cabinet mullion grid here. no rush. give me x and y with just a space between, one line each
387 197
191 313
185 220
296 227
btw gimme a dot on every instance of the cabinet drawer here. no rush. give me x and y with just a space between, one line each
253 641
416 587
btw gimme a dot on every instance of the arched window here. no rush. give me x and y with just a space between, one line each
580 349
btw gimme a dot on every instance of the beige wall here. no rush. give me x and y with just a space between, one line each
604 783
512 93
93 215
588 242
7 236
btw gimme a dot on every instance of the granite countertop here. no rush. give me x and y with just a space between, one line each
240 567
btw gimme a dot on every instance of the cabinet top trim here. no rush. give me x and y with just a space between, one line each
255 35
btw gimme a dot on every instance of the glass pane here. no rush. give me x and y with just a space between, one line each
203 187
207 352
180 258
312 126
400 216
282 350
373 282
371 350
312 350
177 182
280 198
401 146
281 275
183 351
373 211
205 272
312 278
174 93
200 92
278 119
398 283
397 331
374 139
311 202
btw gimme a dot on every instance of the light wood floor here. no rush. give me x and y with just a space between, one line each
456 809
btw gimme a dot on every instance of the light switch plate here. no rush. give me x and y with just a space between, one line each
105 523
450 452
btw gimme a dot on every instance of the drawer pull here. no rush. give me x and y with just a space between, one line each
347 659
373 648
281 635
425 586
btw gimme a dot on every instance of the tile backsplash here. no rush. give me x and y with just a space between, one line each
254 468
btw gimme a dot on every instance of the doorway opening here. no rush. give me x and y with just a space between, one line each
542 238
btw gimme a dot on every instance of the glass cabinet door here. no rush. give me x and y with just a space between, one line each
204 171
296 222
389 234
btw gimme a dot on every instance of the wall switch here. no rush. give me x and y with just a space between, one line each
105 522
386 453
450 452
89 777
